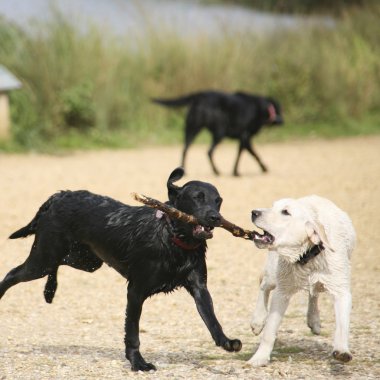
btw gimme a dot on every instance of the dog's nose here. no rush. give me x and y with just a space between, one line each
255 214
215 219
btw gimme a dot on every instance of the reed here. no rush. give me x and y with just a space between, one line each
85 88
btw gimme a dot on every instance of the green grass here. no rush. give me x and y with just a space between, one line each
285 351
89 89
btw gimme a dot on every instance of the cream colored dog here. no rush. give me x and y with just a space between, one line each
310 241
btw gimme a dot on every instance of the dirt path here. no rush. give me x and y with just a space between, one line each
80 336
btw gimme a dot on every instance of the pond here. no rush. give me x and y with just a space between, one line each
186 17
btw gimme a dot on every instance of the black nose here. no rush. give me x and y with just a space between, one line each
215 219
255 214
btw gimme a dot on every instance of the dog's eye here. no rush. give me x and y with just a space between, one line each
285 212
200 196
218 201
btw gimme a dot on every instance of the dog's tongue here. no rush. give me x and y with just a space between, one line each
262 239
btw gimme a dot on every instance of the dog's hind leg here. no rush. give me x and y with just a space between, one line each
42 260
51 287
247 145
313 319
80 257
23 273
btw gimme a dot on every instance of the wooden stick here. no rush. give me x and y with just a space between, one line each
182 216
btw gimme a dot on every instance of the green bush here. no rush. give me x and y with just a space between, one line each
78 108
87 88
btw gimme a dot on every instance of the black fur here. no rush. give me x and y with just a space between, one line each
83 230
238 115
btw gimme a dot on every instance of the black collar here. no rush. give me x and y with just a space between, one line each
315 250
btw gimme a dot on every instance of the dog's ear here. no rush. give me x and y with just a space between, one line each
175 176
317 234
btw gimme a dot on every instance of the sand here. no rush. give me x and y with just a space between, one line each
80 336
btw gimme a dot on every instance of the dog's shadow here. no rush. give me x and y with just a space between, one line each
295 350
101 353
303 351
93 352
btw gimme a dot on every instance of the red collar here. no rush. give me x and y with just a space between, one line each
175 239
181 244
272 113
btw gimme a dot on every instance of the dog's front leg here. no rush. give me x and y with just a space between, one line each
342 306
132 341
277 310
267 284
260 313
198 289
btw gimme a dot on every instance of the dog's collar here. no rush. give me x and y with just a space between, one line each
176 240
312 252
181 244
272 113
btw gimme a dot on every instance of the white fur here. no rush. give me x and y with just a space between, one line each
312 220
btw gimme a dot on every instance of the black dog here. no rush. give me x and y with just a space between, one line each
238 116
154 253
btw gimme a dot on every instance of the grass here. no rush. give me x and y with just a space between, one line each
286 351
86 89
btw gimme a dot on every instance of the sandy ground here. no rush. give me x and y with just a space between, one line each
80 336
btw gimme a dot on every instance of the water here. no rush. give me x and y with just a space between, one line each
130 16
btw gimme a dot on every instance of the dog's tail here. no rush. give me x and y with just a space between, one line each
24 231
177 102
31 227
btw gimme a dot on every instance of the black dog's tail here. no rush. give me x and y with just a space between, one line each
178 102
24 231
31 227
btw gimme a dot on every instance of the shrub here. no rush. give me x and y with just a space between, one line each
100 85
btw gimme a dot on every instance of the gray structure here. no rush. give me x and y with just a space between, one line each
8 82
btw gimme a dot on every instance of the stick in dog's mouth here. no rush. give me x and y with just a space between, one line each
203 232
262 240
199 228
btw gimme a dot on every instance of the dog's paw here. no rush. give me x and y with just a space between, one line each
315 327
143 366
257 326
232 345
342 356
256 361
137 361
314 323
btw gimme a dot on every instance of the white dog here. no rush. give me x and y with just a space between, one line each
310 241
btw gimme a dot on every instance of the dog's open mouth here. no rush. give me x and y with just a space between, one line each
263 240
203 232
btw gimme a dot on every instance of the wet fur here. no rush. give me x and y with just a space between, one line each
83 230
298 224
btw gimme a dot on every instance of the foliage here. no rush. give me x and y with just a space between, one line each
86 88
299 6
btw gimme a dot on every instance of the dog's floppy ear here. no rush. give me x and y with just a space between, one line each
175 176
317 234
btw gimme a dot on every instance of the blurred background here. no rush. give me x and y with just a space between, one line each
88 68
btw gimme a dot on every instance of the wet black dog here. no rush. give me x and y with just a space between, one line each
154 253
238 116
